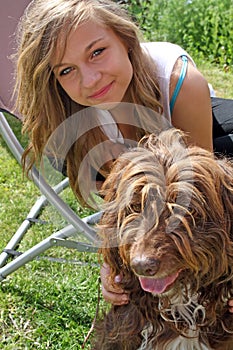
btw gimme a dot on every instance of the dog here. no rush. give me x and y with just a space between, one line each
167 229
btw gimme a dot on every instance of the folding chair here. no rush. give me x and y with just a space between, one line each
65 237
11 11
76 227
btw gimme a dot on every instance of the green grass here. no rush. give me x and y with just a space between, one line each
46 305
43 305
220 79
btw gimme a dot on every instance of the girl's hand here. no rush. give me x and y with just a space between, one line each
112 293
230 303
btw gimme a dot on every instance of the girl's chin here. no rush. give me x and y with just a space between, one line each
107 105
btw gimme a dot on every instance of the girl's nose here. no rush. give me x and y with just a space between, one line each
90 76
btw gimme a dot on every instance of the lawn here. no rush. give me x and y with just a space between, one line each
51 305
43 305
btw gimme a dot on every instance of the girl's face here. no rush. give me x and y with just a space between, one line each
95 68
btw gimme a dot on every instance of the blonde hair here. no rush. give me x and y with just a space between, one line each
41 99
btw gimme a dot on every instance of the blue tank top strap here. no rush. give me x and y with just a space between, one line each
179 82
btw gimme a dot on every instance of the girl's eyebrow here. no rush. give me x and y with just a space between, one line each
86 50
93 43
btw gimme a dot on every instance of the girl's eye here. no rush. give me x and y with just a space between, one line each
66 71
97 52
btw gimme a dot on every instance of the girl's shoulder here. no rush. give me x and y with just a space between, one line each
164 46
164 54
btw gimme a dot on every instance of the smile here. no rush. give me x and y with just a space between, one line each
102 92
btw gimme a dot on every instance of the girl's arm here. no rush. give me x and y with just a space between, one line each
192 112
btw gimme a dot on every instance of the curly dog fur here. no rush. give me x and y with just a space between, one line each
167 228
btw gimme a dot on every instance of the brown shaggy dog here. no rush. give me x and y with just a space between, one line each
167 229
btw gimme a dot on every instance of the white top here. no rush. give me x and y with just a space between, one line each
165 56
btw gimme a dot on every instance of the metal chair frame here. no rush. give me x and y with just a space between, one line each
63 237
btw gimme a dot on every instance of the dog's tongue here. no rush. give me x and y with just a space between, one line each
159 285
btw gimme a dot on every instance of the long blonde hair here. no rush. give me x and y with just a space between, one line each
41 99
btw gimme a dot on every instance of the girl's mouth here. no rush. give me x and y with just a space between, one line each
102 92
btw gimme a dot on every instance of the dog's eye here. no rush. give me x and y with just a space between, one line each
136 208
158 245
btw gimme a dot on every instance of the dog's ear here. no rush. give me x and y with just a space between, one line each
213 179
112 258
110 186
226 190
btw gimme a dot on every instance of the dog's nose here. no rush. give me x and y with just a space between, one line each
145 266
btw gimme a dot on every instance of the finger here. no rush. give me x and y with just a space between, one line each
115 298
104 275
230 305
117 279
